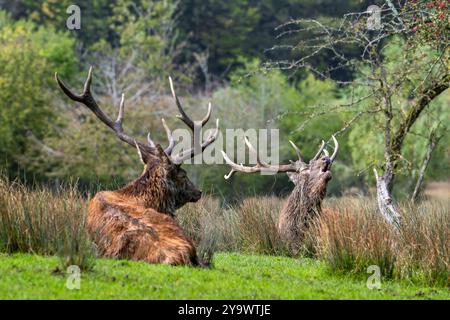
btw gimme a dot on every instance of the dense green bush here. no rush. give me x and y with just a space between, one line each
28 57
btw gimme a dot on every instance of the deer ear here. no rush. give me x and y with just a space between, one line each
142 155
166 161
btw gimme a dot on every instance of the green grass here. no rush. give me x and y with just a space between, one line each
234 276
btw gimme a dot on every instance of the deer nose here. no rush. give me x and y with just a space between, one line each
197 195
327 162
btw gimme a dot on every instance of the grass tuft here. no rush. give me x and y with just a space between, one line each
350 236
44 222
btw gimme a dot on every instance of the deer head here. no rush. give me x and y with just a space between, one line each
314 176
310 180
163 185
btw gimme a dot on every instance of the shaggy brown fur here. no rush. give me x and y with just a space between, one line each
136 222
304 203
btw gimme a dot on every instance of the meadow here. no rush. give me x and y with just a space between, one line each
42 232
234 276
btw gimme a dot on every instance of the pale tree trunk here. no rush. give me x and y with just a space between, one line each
385 203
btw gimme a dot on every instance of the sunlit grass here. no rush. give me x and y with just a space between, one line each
350 236
44 222
234 276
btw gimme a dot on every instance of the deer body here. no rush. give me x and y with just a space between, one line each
304 203
137 222
124 229
310 180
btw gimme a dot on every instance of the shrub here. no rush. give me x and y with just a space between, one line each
44 222
249 227
352 235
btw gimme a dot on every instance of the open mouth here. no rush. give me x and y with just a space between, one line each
196 197
326 167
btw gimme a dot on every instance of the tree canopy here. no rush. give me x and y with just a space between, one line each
310 69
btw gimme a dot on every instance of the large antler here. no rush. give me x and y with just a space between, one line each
88 100
195 127
261 166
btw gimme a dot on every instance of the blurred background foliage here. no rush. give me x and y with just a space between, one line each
213 50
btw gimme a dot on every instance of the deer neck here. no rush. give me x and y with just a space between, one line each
303 202
151 191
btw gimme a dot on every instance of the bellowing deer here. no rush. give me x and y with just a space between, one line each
310 180
137 221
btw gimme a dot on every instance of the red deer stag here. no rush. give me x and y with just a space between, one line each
310 180
137 222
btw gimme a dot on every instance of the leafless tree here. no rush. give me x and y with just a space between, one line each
396 93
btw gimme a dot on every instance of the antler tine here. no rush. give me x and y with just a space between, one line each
171 145
212 136
87 84
183 116
259 167
150 142
336 148
197 147
88 100
238 168
121 110
230 174
67 91
320 151
327 154
192 152
208 114
253 150
231 164
297 150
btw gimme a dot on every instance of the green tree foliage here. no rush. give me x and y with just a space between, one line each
135 45
53 13
367 136
221 27
266 100
147 31
28 56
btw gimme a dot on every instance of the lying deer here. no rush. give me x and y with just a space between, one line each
310 180
137 222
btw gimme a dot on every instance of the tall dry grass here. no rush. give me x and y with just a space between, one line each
249 227
43 222
350 235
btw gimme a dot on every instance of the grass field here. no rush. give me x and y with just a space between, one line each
43 231
233 276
